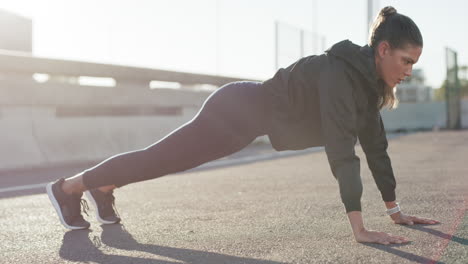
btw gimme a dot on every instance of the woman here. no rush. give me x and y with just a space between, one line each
329 100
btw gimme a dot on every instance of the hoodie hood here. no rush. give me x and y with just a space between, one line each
360 58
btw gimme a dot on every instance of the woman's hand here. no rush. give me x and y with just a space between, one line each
365 236
402 219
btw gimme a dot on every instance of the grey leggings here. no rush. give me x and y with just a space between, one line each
229 120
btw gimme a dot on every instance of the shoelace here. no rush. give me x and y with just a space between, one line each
85 206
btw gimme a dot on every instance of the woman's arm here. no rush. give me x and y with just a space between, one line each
374 143
339 125
391 205
338 116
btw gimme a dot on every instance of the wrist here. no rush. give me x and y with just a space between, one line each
391 204
357 224
393 209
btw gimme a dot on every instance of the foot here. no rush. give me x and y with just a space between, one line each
104 204
68 206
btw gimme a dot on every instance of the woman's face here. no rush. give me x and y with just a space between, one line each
394 65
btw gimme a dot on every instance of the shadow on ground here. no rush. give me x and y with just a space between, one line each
79 246
415 258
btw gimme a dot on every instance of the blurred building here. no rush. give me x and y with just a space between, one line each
413 88
15 32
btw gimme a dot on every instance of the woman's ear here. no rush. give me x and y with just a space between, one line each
383 48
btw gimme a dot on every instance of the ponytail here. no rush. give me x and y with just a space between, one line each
398 29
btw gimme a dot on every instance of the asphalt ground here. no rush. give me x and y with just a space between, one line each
275 209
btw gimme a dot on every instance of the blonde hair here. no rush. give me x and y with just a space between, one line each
388 99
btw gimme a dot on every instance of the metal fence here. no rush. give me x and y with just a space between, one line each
452 91
293 43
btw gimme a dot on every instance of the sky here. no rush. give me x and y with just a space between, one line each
224 37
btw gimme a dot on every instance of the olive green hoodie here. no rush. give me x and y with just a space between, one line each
331 100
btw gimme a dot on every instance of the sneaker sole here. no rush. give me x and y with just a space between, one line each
94 203
58 210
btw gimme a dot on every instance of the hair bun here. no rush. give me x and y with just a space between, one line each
387 11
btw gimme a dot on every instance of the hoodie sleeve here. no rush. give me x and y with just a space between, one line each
339 128
374 143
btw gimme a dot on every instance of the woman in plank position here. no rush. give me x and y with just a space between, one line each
327 100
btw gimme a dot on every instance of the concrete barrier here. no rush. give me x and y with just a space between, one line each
420 116
36 135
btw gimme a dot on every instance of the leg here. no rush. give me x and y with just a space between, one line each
230 119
